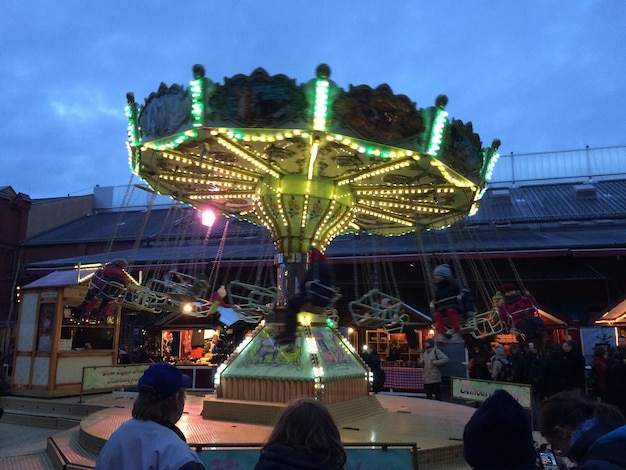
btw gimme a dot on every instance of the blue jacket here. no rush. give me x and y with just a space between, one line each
606 453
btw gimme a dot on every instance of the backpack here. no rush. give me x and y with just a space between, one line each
507 372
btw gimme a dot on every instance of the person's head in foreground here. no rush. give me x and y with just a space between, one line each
162 394
151 439
499 435
574 426
304 437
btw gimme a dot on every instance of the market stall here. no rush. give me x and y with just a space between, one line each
52 346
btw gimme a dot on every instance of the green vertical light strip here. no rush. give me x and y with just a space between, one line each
320 111
132 131
197 101
132 128
490 166
437 133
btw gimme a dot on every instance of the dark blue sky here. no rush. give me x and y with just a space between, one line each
540 75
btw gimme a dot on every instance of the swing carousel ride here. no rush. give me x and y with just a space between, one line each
309 162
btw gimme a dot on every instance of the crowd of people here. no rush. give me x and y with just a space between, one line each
580 415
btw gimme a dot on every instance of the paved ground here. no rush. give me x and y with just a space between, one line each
16 439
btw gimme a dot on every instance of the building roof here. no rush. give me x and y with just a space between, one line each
567 218
615 314
60 279
150 226
602 200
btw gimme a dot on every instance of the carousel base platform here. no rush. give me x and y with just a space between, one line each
240 411
435 427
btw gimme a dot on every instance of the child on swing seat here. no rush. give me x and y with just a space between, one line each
112 272
446 304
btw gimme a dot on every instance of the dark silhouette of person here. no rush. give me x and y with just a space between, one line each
316 289
372 359
112 272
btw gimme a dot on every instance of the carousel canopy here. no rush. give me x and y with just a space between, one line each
308 161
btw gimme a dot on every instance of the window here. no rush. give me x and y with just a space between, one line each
45 326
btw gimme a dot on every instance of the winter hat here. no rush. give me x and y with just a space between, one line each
443 270
430 342
121 262
164 380
499 435
508 287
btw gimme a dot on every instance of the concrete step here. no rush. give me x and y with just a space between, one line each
45 413
38 461
65 452
40 420
62 408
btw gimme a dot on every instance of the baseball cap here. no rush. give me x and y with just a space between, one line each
164 379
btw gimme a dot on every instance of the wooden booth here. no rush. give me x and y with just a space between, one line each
52 347
198 345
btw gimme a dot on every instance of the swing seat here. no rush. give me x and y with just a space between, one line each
397 324
184 286
467 324
251 302
333 316
159 298
378 310
138 297
200 308
489 324
531 311
320 294
170 297
177 288
103 289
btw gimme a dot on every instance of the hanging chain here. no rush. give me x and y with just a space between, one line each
218 258
120 218
142 228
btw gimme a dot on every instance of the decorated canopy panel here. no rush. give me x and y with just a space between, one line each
319 354
308 161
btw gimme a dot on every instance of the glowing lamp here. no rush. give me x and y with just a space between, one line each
208 217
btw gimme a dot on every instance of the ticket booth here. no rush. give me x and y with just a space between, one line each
52 346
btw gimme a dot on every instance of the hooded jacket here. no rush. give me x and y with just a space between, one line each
283 457
497 361
605 453
434 359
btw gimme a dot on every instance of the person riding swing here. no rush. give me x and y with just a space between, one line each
449 302
521 308
316 289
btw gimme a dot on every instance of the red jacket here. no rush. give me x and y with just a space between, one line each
217 297
518 307
599 366
111 272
